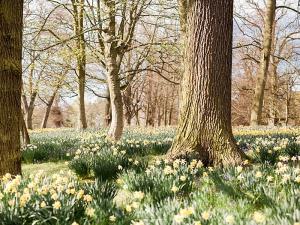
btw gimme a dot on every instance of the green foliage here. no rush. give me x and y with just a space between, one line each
128 187
162 181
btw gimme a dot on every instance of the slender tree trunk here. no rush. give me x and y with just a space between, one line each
204 130
128 104
170 116
165 115
159 115
287 104
257 105
25 134
107 116
48 110
287 112
82 114
11 23
137 118
273 106
117 124
171 107
183 12
78 7
46 116
30 109
147 114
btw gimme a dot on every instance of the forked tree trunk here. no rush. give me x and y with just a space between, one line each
204 130
257 105
30 109
11 22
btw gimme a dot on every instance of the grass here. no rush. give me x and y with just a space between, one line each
132 184
49 168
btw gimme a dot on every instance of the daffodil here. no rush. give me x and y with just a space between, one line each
258 217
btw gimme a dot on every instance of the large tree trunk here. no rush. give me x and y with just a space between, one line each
204 130
11 22
257 105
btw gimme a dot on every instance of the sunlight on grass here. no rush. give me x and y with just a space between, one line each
48 168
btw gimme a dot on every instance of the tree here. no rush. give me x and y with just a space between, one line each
257 105
204 130
11 22
57 83
248 48
78 15
116 23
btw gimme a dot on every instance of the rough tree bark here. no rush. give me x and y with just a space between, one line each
257 105
204 130
11 22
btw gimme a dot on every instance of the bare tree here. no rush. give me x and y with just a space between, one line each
257 105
